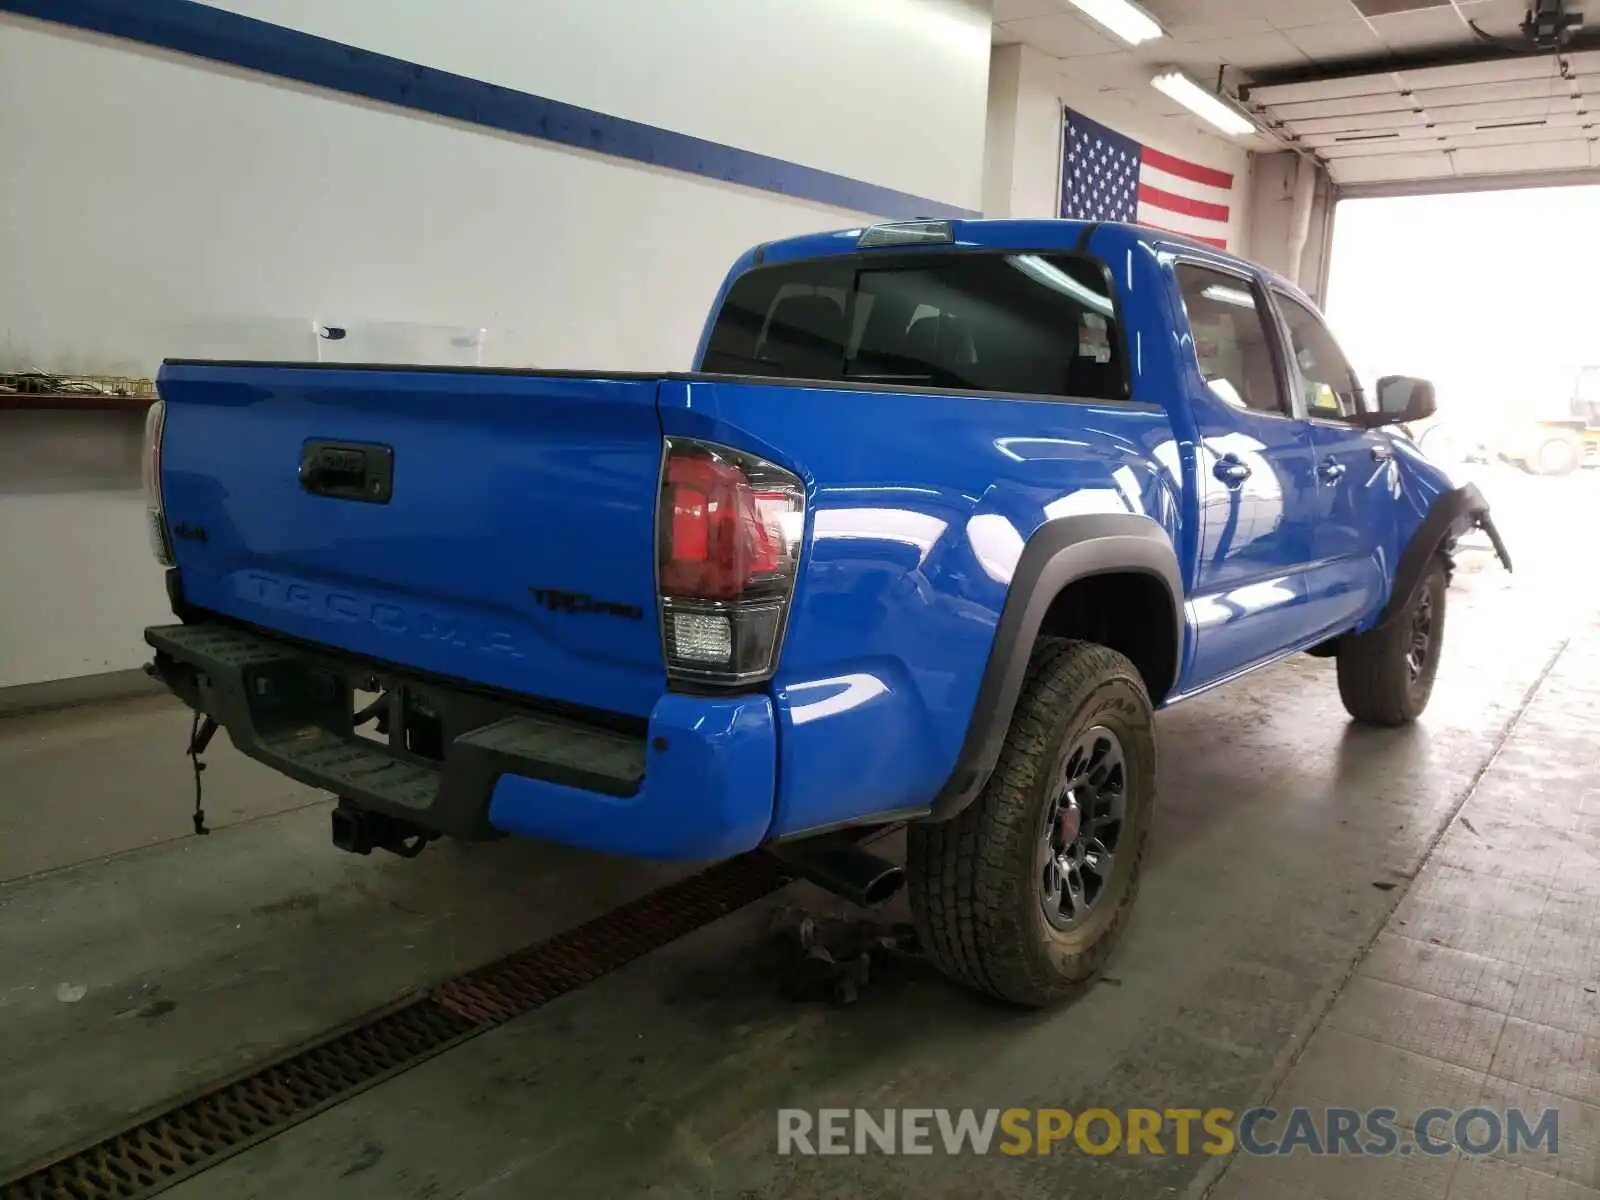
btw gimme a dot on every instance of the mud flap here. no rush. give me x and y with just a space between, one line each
1486 523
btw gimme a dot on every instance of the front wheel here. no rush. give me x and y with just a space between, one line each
1386 675
1025 893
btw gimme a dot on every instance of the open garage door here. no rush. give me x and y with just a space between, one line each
1479 124
1510 342
1454 95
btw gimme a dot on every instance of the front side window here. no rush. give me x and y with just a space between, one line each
1331 389
1230 340
1021 324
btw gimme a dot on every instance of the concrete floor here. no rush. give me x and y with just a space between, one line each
1482 987
1285 946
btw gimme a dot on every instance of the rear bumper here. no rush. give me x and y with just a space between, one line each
697 782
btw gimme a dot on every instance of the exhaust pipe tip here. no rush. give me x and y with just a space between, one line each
845 869
883 888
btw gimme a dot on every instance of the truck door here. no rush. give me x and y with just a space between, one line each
1254 471
1357 478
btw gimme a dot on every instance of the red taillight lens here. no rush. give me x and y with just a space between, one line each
713 545
729 531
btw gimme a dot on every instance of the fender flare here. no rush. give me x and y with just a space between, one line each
1452 514
1059 553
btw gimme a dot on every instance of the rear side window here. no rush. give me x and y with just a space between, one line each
1011 323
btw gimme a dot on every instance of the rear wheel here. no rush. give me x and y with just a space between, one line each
1386 675
1441 444
1025 893
1559 454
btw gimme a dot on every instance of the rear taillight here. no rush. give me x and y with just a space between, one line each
729 527
155 423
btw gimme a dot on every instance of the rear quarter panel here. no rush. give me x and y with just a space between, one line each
919 506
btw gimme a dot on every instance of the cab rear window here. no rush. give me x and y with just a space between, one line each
1021 324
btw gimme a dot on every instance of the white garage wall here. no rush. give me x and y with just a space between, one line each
890 91
1285 190
178 207
77 582
1028 91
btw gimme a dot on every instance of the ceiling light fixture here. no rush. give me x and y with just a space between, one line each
1123 18
1209 107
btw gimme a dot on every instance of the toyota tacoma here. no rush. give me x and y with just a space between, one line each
945 511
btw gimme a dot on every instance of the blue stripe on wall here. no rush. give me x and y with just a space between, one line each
226 37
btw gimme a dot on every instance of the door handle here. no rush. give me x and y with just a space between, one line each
1382 454
1231 471
1331 471
363 472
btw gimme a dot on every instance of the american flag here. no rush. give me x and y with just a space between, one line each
1106 176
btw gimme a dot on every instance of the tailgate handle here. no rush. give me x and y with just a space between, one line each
348 471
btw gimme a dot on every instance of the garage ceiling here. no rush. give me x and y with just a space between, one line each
1385 92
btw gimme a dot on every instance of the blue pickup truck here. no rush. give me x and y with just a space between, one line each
945 512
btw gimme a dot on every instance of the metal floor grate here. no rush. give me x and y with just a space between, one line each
161 1150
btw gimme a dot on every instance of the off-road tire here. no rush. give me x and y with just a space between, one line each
1375 680
974 883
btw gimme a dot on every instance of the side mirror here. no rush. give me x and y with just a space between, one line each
1403 399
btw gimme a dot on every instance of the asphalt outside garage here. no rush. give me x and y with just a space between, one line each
1332 916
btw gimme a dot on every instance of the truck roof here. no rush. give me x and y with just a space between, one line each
1004 234
980 233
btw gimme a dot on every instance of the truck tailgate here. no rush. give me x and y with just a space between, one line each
491 527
